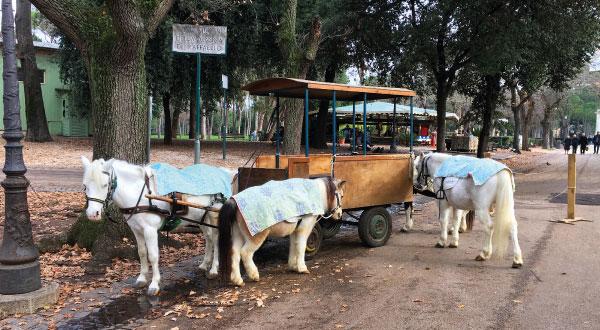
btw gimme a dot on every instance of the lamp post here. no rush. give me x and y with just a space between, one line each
19 265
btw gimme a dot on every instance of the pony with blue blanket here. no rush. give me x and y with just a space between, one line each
126 185
465 183
276 209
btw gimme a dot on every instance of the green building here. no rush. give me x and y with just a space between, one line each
63 119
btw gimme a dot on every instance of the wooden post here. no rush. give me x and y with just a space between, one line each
571 187
571 193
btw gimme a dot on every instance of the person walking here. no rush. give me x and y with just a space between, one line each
596 141
567 144
583 142
574 144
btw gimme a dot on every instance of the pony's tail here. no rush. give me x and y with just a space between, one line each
227 216
505 213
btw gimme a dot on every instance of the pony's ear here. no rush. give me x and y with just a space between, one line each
85 161
340 184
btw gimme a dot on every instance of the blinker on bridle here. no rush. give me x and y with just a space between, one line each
112 180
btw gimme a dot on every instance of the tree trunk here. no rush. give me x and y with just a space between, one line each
168 138
35 114
114 82
526 119
319 140
239 119
175 124
441 98
492 91
515 108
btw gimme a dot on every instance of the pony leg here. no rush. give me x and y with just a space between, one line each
142 279
408 209
445 211
458 214
208 249
293 256
214 269
237 242
302 232
463 222
247 254
517 257
151 236
488 226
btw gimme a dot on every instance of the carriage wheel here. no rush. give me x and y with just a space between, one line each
375 226
330 227
313 243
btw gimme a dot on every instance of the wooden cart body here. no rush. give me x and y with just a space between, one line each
372 180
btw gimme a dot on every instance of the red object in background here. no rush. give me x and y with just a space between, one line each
424 131
433 139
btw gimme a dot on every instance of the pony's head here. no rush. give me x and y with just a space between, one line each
97 184
421 173
336 211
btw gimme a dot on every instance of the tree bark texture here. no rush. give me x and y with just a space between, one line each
515 108
35 114
298 61
319 139
168 138
492 92
441 99
527 114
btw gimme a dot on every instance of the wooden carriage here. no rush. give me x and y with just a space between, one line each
374 181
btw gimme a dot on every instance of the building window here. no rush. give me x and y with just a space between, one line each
42 73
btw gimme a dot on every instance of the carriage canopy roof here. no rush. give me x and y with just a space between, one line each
294 88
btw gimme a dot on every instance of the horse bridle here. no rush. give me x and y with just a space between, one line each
112 185
423 174
338 206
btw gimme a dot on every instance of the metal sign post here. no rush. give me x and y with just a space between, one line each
225 82
199 39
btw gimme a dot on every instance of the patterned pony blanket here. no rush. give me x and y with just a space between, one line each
463 166
197 180
277 201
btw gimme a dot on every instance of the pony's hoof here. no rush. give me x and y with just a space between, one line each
212 275
462 230
453 246
516 265
153 291
140 284
404 230
203 267
303 270
479 258
237 282
439 245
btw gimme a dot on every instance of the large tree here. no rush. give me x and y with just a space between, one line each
112 36
37 125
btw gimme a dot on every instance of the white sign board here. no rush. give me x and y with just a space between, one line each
203 39
225 81
595 62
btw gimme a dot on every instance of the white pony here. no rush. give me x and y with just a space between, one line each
496 193
126 185
236 243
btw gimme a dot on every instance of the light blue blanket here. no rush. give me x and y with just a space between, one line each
199 179
277 201
480 169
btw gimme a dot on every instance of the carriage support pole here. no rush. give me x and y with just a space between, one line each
306 122
353 126
412 124
364 138
393 146
334 124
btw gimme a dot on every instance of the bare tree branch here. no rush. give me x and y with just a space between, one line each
159 13
67 15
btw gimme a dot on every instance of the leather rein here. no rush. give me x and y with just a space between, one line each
151 208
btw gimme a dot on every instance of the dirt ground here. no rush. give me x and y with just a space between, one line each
406 284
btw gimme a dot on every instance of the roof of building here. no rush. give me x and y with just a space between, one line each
380 107
43 45
295 88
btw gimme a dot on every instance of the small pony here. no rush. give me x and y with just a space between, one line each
236 241
497 193
126 185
